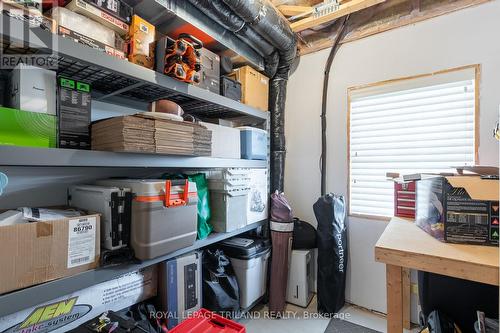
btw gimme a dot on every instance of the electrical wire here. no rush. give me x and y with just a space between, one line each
336 45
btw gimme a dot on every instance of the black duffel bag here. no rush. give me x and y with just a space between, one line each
304 235
220 287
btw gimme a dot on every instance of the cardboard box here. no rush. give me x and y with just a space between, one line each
27 129
225 141
33 89
254 87
90 42
459 209
142 37
46 251
76 308
117 8
73 111
98 15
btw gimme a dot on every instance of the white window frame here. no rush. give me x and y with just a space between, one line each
402 82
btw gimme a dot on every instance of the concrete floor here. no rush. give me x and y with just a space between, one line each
300 320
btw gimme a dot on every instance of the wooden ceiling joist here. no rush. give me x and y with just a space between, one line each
343 10
288 10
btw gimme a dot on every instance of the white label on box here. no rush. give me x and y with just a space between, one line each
81 241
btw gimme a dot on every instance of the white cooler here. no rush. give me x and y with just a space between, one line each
249 258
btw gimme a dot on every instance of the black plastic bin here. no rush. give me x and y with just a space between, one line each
458 299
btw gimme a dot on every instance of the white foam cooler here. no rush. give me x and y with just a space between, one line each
249 258
164 215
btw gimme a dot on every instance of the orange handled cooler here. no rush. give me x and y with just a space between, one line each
164 215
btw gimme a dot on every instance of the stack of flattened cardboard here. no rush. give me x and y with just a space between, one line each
142 133
128 133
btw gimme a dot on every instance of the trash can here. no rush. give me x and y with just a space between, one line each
249 258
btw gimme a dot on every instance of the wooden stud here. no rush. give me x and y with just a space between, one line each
394 299
294 10
343 10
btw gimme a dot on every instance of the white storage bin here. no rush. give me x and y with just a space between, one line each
225 141
227 208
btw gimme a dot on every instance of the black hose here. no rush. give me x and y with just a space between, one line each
328 66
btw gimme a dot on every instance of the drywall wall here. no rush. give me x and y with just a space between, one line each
462 38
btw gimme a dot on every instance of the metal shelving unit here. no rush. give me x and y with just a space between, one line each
110 76
25 298
57 157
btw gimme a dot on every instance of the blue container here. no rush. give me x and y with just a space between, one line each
253 143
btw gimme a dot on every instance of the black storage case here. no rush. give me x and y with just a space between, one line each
458 299
230 88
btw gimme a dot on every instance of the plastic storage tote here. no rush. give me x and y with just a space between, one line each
205 321
164 215
253 143
249 258
228 209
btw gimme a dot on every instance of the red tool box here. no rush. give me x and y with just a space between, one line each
204 321
404 199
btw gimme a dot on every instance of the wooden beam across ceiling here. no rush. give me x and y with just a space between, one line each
289 10
343 10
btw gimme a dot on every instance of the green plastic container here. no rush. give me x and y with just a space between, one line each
28 129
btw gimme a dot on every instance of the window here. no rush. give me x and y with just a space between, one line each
413 125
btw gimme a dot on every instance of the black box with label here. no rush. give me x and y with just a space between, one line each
459 209
73 112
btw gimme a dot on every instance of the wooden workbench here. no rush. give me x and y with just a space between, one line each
405 246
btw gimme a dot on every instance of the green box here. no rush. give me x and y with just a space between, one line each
29 129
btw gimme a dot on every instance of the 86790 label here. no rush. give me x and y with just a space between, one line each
81 241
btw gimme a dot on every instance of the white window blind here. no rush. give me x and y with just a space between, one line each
416 125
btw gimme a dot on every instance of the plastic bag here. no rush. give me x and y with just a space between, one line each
204 227
304 235
332 252
220 287
280 208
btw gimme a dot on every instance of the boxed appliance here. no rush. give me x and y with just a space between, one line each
254 87
90 42
82 26
249 258
49 250
258 196
179 287
459 209
117 8
225 141
73 111
207 321
98 15
230 88
30 129
404 199
210 71
164 215
253 143
227 208
33 89
32 5
142 35
82 305
113 203
300 288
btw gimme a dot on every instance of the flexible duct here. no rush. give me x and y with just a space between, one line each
258 24
263 17
222 14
